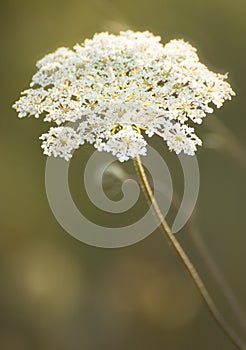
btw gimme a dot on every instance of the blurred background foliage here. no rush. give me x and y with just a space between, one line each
58 293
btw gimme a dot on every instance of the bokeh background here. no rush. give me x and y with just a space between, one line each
58 293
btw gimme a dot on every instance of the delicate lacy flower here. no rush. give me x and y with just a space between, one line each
60 142
125 144
119 87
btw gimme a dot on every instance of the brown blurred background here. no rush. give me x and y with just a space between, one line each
59 294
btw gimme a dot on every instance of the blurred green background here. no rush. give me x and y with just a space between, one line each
58 293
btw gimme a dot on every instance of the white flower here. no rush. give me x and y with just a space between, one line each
125 144
119 87
60 142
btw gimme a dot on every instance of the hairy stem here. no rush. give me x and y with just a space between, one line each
236 340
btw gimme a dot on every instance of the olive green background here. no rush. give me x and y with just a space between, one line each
58 293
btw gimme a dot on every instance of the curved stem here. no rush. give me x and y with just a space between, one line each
236 340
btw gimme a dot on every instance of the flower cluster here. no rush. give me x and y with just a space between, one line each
113 89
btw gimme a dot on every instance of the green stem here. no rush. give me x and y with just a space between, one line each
236 340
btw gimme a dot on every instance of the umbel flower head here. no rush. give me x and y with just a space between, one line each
117 88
